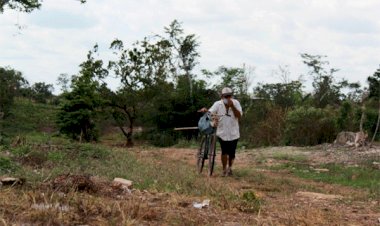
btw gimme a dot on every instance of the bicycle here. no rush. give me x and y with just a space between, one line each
207 148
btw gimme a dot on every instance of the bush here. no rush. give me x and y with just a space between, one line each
348 117
310 126
249 203
6 165
370 120
264 125
35 158
158 138
21 150
88 151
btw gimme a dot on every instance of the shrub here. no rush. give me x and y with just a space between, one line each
34 158
88 151
158 138
6 165
21 150
348 117
264 126
310 126
249 203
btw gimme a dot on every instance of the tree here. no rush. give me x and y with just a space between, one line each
237 78
326 90
184 53
152 72
285 95
80 108
374 93
41 92
11 82
23 5
142 70
374 85
64 81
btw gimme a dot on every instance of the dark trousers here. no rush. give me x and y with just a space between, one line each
228 147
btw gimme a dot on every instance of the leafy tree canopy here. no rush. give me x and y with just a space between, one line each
11 81
23 5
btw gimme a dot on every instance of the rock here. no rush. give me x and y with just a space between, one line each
44 206
322 170
376 165
123 182
11 181
201 205
318 196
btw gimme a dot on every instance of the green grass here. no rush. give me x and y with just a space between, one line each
7 165
153 172
357 177
26 117
289 157
183 143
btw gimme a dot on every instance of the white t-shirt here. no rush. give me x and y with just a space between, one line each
228 127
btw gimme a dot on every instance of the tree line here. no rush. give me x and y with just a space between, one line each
159 90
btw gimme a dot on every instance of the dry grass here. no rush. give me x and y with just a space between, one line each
55 208
48 207
166 185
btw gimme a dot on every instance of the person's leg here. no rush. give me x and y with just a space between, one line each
224 155
231 155
224 163
230 161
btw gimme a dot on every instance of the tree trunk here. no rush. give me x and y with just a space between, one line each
377 126
129 138
128 134
81 136
362 118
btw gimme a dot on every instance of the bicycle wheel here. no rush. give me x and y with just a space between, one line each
212 154
201 155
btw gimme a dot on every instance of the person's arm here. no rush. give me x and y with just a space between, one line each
203 110
212 109
236 109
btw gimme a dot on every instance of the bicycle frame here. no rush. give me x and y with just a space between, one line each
207 150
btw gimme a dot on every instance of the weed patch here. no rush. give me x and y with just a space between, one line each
357 177
249 202
289 157
91 151
7 165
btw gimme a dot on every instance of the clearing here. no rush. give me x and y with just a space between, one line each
271 186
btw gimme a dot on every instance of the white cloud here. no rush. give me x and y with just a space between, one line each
263 34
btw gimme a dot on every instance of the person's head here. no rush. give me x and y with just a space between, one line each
226 93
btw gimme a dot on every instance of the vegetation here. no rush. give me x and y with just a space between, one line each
159 90
23 5
358 177
41 156
45 136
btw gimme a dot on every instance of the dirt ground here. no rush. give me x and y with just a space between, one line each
285 198
290 205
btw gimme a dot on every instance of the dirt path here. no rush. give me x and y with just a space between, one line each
284 199
289 200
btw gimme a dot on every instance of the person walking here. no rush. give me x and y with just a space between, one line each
229 112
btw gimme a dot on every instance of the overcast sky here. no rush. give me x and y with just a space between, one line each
260 34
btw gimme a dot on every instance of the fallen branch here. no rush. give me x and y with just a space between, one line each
186 128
